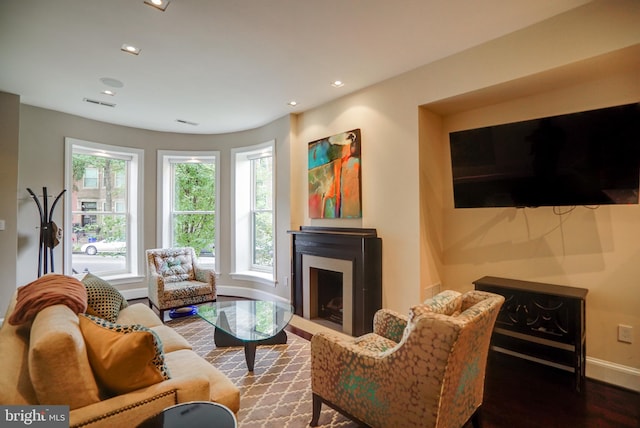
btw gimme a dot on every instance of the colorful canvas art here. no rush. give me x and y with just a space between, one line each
334 176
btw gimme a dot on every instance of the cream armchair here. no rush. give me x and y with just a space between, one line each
425 370
175 279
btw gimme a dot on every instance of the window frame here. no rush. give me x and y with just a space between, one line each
241 206
165 194
135 202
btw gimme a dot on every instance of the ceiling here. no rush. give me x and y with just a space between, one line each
230 65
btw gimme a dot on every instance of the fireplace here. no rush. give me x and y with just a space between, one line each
324 257
325 280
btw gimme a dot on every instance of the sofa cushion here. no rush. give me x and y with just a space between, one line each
187 364
171 339
58 364
138 313
143 315
103 300
124 358
48 290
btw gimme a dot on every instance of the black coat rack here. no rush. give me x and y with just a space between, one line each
50 234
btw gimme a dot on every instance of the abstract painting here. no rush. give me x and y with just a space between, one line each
334 176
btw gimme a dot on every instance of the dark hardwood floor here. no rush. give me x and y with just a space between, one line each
524 394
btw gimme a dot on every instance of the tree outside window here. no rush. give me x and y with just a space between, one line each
193 206
262 212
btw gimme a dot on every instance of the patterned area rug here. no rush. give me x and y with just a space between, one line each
278 392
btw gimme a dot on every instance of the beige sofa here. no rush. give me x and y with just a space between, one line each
48 364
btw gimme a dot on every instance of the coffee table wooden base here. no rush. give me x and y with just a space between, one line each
223 339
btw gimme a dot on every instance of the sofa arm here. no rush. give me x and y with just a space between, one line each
389 324
133 408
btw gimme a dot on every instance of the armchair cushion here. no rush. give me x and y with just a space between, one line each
174 266
124 358
375 343
103 300
389 324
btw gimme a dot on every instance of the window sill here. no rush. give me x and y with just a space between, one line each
114 279
260 277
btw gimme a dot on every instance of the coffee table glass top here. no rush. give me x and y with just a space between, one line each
248 320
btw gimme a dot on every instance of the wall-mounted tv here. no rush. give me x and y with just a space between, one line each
586 158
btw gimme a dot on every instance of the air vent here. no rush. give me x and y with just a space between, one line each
186 122
100 103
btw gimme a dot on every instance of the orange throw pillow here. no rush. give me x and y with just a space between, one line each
124 358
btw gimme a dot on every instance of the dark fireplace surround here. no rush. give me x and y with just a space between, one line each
362 247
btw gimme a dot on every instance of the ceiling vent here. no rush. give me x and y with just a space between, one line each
186 122
100 103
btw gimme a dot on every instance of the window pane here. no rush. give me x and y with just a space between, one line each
193 207
194 230
100 238
263 184
194 187
263 239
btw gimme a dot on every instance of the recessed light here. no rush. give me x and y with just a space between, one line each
130 49
110 81
292 103
337 83
158 4
108 92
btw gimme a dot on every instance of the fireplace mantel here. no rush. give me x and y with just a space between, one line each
362 247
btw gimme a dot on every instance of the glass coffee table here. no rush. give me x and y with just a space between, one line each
247 323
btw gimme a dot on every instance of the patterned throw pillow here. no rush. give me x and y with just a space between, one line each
124 358
103 300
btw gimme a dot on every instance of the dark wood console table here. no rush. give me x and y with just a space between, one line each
541 322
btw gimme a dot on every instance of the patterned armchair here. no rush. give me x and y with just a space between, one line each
175 279
425 370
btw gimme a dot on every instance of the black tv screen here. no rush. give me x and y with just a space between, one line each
586 158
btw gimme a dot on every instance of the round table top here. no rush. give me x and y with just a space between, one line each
195 414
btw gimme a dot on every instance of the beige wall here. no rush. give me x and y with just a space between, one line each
587 58
41 163
9 138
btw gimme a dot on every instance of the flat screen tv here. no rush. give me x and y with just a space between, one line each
586 158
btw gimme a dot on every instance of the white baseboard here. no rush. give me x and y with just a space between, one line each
135 293
223 290
248 293
615 374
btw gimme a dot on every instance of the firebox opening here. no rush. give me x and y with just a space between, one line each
329 303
